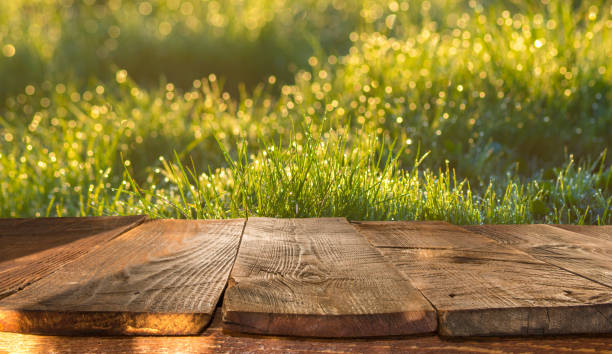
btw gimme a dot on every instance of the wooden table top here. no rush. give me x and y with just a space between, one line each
321 284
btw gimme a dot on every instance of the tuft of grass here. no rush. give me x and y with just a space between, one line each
325 175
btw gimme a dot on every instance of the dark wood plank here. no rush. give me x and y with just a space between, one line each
161 278
34 248
480 287
318 277
587 256
215 339
603 231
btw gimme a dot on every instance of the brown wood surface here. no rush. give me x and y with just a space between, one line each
480 287
603 231
587 256
318 277
215 339
34 248
161 278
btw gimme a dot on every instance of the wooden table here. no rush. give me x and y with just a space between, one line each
128 284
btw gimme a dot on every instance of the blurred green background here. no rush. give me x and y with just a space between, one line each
495 90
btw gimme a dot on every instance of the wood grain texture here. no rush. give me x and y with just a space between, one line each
603 231
320 278
215 339
587 256
480 287
161 278
31 249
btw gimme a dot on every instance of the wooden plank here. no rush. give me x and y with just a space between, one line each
31 249
603 231
161 278
480 287
319 278
587 256
217 339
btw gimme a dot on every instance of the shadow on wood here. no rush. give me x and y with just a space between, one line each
33 248
161 278
29 236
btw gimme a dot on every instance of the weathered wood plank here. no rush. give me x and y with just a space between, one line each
603 231
34 248
480 287
161 278
216 339
587 256
320 278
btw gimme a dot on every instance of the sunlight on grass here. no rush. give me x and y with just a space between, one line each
362 181
308 108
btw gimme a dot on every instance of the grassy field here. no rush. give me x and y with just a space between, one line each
471 112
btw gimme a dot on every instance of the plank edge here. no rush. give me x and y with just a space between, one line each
527 321
102 322
332 326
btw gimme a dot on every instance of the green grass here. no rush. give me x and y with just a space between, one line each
364 181
226 109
